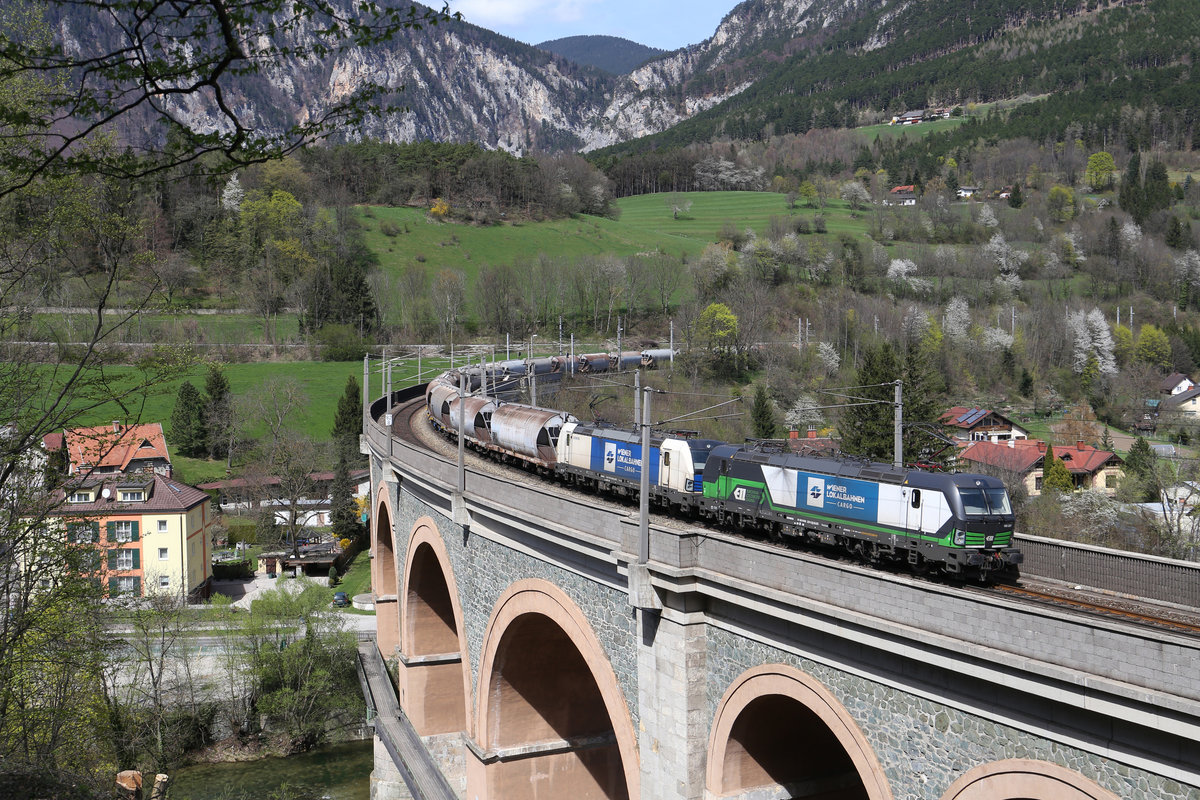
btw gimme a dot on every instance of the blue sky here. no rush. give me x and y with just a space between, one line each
667 24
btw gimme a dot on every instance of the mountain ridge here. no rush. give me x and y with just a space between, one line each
613 54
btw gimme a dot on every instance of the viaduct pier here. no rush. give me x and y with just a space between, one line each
536 658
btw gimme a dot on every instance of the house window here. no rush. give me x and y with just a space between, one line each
1037 483
124 531
132 495
162 526
1110 481
124 559
164 582
127 585
80 533
80 497
162 554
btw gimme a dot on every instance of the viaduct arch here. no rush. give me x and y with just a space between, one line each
778 726
1019 778
383 574
552 721
433 675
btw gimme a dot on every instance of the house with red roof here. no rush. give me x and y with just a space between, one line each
115 448
1091 468
981 425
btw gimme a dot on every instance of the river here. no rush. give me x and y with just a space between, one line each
337 772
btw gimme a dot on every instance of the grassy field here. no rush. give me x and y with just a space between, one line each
885 132
321 382
646 225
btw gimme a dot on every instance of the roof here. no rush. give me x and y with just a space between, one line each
114 446
1181 398
163 495
908 188
1084 458
1171 381
1017 455
1023 455
968 418
356 475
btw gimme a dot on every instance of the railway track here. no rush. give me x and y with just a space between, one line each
409 424
1099 605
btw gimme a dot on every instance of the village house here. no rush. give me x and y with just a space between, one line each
965 192
115 448
980 425
1176 383
1180 408
1090 468
901 196
150 533
252 495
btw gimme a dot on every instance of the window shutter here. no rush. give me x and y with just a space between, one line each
133 536
137 586
111 531
114 586
137 559
95 531
112 558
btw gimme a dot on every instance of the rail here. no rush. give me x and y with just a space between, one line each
1148 577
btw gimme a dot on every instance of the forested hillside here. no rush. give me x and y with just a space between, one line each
612 54
1120 71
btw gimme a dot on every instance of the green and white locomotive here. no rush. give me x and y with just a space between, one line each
954 523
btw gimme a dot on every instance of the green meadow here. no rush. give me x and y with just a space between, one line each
322 383
646 225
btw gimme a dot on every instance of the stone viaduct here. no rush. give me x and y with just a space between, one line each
537 659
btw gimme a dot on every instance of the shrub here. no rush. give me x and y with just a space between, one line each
341 343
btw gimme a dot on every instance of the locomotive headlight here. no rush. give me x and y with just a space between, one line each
960 538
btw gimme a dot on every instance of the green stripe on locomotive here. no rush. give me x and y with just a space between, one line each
757 494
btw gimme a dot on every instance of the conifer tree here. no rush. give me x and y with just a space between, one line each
868 430
1016 199
187 422
218 412
1055 474
343 514
1131 196
347 420
762 414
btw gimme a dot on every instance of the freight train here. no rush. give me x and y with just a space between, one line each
955 524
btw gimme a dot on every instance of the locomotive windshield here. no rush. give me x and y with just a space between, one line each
700 449
980 502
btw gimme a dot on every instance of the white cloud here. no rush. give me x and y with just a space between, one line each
511 14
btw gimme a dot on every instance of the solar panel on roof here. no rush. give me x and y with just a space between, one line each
963 417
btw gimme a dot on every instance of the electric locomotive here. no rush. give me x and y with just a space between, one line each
951 522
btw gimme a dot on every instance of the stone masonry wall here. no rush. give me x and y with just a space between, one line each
924 746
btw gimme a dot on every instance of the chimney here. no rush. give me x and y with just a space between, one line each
812 431
1041 446
116 426
1078 444
1012 443
793 434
